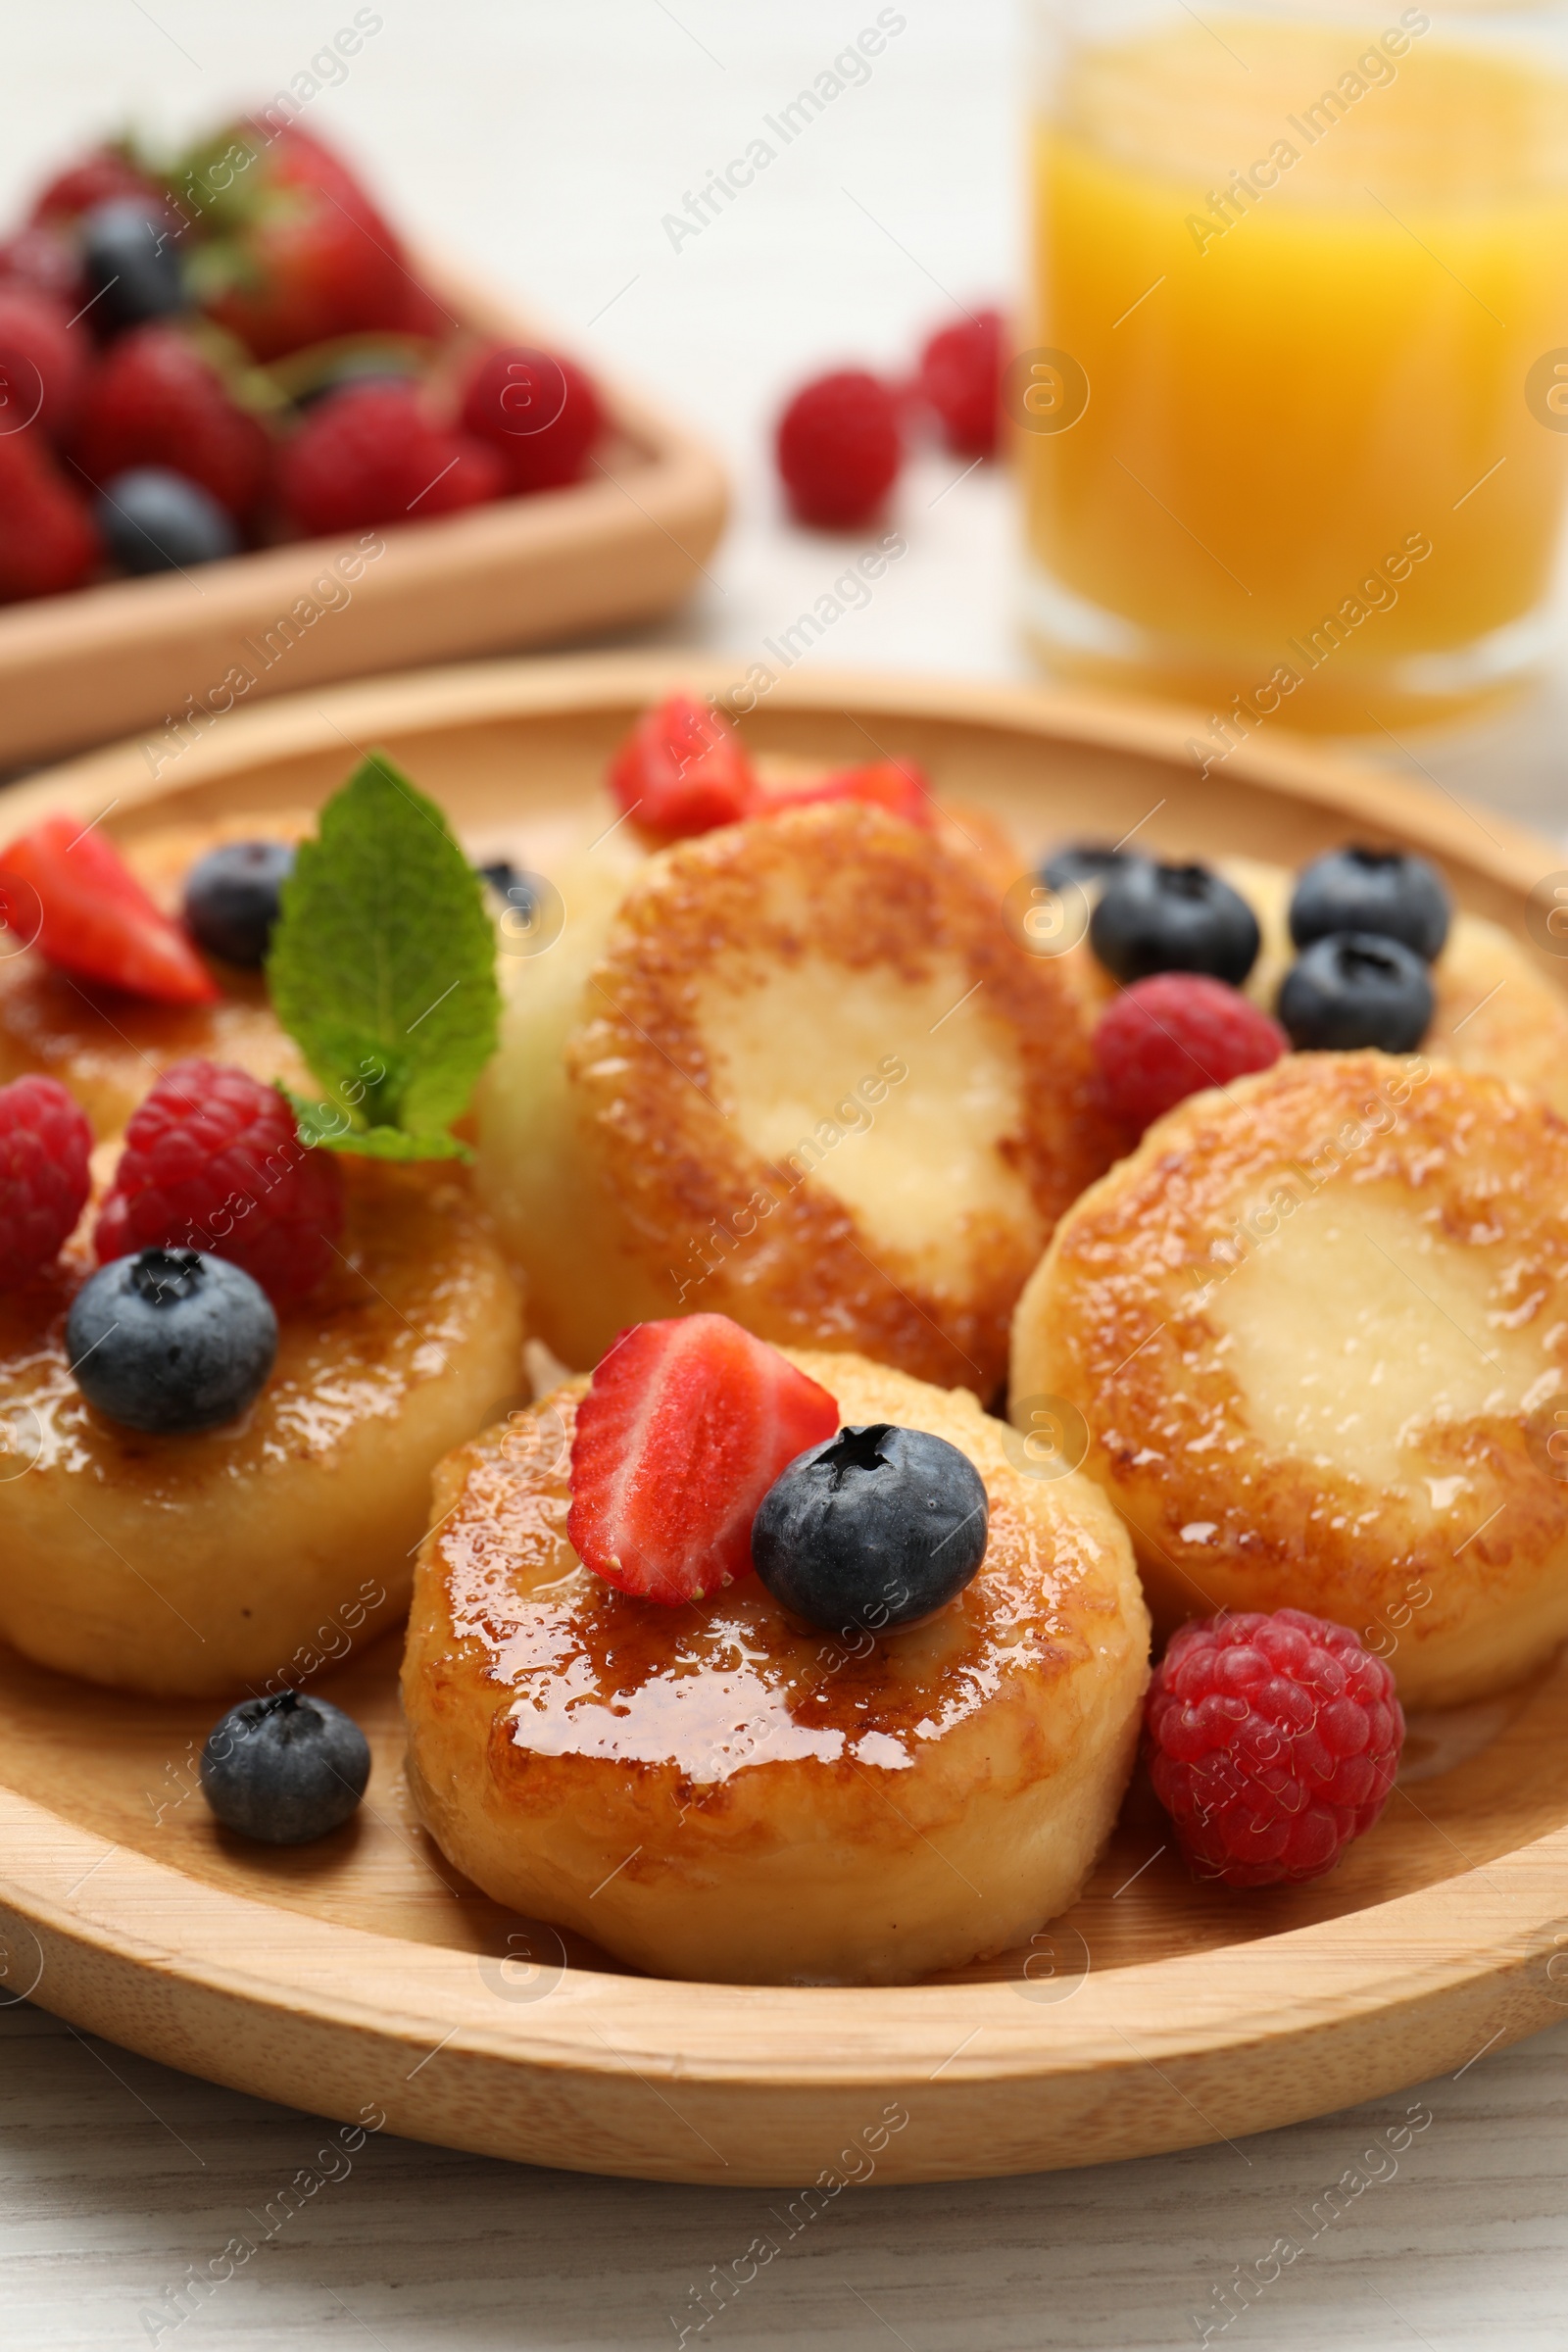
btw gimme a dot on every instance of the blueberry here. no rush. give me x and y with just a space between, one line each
171 1341
1081 861
504 878
231 897
155 520
131 264
1386 891
285 1769
1173 919
871 1530
1354 989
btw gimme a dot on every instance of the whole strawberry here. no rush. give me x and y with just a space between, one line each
44 1143
296 251
43 364
1272 1743
96 177
156 400
372 453
213 1161
47 259
48 539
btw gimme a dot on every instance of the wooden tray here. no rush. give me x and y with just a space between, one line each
622 545
361 1975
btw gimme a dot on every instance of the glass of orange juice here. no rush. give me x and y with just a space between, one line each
1293 418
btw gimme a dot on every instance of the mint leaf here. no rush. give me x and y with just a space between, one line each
383 970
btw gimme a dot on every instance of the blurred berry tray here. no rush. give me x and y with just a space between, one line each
162 654
361 1974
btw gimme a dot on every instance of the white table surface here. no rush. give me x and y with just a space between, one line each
547 142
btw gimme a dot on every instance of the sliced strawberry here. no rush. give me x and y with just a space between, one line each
682 770
686 1426
89 914
896 785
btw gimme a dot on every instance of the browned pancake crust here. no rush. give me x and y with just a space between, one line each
881 894
1116 1322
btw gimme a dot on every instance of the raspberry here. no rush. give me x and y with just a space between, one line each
157 401
213 1161
44 1143
840 449
48 539
961 377
370 454
1167 1036
538 411
1272 1741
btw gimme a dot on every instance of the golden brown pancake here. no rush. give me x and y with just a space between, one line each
1316 1327
718 1792
204 1563
795 1072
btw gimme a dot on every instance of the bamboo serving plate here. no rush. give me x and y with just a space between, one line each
360 1971
161 655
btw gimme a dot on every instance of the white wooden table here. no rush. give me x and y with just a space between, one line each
548 143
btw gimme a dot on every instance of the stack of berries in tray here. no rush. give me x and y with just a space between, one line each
231 348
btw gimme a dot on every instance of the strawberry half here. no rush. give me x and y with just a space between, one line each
90 916
682 770
897 785
686 1426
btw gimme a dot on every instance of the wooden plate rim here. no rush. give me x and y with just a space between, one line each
1494 1927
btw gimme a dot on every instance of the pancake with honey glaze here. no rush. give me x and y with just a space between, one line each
718 1792
1317 1328
795 1072
111 1048
204 1563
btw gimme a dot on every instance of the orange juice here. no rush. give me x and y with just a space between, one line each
1315 279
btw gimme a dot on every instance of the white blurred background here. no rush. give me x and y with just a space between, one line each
543 143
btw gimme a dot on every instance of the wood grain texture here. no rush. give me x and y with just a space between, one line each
623 544
125 2180
1156 2017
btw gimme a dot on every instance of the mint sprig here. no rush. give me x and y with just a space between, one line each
382 970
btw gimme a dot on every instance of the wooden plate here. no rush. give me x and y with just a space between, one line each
168 654
358 1977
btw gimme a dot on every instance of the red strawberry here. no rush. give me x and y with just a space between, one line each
45 259
157 401
42 363
372 454
683 770
538 410
897 785
68 890
48 539
686 1426
298 253
98 177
